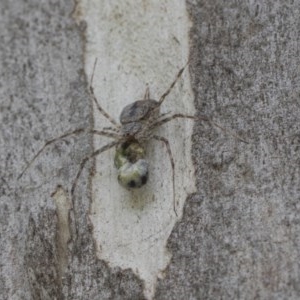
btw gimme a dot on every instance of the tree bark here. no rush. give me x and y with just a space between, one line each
238 237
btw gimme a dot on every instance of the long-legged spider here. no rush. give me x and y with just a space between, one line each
137 123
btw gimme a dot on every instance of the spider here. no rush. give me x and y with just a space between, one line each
138 121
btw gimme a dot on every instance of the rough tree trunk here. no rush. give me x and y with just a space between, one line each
237 236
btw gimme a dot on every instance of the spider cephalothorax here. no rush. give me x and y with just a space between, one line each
138 116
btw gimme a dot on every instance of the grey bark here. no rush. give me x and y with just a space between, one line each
239 235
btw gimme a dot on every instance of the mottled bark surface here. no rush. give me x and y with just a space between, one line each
44 94
239 236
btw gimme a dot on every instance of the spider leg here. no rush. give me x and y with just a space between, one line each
111 129
226 131
147 93
202 118
77 131
101 110
164 114
160 122
105 133
87 158
167 144
165 94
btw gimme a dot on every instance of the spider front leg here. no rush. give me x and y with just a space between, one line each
101 110
160 122
202 118
165 94
167 144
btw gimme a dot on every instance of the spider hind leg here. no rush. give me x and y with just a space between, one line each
167 144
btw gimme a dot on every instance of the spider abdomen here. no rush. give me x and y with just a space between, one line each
131 164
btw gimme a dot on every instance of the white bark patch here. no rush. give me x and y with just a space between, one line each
138 43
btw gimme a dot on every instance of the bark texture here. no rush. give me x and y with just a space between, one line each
44 94
239 235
